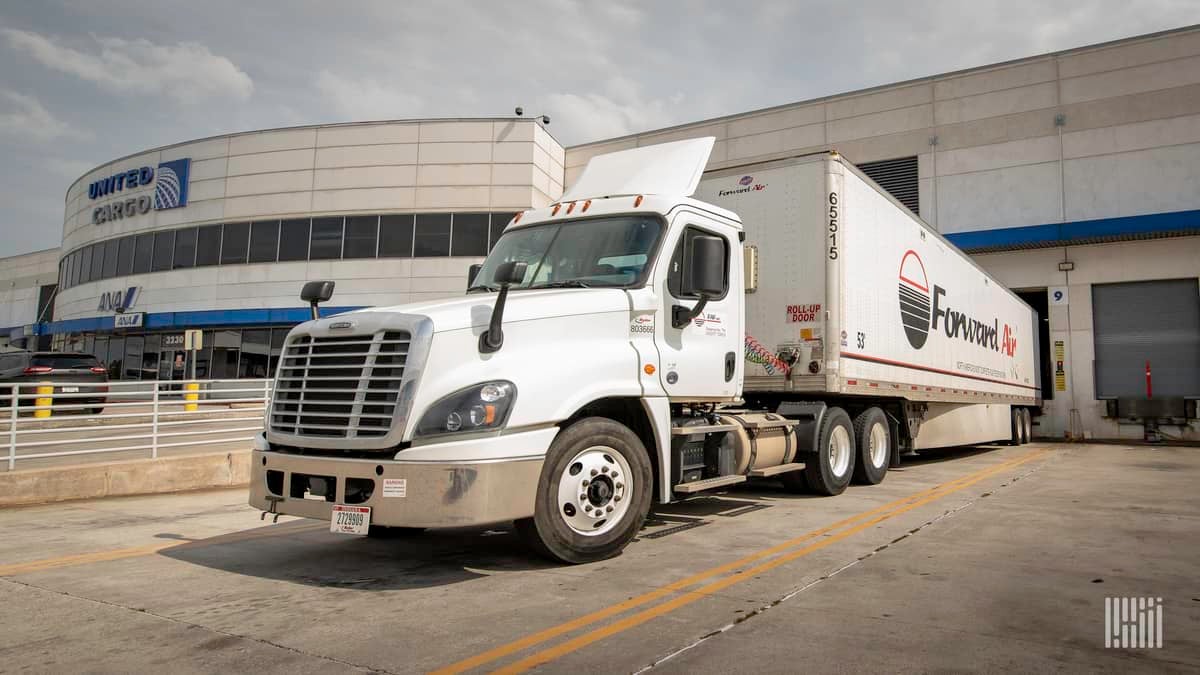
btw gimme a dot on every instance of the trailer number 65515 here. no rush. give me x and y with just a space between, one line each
833 225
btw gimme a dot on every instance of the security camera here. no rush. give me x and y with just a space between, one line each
520 111
545 119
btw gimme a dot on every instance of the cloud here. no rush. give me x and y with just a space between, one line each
186 72
366 98
25 118
619 110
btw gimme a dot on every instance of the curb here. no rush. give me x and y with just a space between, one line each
133 477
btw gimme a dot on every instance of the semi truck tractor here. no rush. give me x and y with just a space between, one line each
656 333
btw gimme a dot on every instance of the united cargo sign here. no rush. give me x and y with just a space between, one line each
922 311
170 181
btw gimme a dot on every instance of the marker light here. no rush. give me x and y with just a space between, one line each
554 212
637 202
570 207
587 204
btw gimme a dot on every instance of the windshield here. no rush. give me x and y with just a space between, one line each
608 252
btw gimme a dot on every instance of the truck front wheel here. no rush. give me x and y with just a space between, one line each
593 494
829 470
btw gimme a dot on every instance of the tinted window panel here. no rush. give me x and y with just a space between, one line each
256 347
85 265
164 250
110 258
185 248
499 222
432 236
143 253
264 241
293 240
73 261
125 257
76 361
361 236
235 238
326 242
470 234
396 236
208 245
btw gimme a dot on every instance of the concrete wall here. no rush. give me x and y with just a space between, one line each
370 168
21 276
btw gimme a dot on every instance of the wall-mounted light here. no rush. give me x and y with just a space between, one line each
545 119
1066 266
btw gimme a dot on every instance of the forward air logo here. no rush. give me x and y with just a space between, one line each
747 185
921 312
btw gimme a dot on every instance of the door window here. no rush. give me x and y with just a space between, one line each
676 274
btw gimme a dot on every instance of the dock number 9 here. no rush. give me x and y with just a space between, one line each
833 225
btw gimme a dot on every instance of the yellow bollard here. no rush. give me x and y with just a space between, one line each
192 395
45 399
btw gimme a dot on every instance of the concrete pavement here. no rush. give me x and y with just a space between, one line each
973 559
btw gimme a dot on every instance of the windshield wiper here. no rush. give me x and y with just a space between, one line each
483 287
568 283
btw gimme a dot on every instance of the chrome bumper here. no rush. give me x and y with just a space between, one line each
474 491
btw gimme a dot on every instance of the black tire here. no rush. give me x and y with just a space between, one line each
866 472
95 411
386 532
1020 415
818 473
1014 420
1027 424
548 531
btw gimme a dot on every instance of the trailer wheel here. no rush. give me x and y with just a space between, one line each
1027 424
874 441
593 494
1014 418
1021 433
830 473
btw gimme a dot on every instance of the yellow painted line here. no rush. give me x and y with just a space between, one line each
149 549
612 610
547 655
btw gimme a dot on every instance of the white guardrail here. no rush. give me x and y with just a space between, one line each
65 419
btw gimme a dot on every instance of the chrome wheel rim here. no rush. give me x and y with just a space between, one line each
594 491
878 440
839 451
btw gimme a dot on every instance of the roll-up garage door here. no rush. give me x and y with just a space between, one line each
1154 321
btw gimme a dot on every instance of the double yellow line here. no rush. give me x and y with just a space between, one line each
853 525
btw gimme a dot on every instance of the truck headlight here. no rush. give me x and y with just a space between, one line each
482 407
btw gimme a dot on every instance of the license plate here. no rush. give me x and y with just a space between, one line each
350 519
70 390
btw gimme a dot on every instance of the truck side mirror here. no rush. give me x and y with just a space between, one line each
511 272
316 292
706 266
472 272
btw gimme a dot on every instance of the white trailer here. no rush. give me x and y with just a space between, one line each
631 344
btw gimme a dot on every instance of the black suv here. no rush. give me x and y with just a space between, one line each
70 373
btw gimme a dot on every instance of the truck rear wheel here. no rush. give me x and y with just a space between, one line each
874 440
593 494
828 471
1015 421
1027 424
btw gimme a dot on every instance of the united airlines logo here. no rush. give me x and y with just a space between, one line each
914 299
170 191
170 183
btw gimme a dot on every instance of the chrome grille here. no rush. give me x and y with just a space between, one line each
339 387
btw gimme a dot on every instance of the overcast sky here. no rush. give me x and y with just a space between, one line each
86 81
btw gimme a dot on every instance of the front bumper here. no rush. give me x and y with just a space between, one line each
479 482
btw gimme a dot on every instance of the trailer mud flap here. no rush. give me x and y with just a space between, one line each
808 416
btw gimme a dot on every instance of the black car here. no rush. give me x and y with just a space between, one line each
70 373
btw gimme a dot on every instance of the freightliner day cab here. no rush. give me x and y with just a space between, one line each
632 344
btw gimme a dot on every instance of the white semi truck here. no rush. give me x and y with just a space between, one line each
632 344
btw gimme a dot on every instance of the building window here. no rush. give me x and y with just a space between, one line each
361 236
432 236
110 258
278 337
293 240
256 354
164 250
185 248
116 356
469 234
133 358
143 253
264 241
326 242
125 256
208 245
226 346
85 265
74 265
499 222
235 239
396 236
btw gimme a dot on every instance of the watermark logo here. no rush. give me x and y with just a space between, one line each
1133 623
171 189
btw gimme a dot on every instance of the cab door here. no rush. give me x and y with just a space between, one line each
702 359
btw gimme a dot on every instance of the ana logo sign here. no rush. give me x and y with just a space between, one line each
170 190
919 315
119 301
